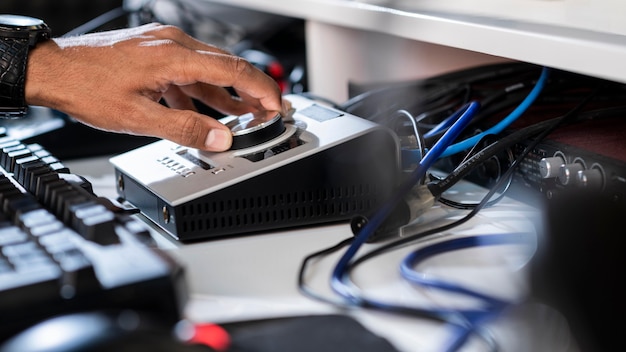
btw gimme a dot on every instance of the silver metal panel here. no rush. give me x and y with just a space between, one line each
166 170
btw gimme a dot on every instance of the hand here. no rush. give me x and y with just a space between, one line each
114 81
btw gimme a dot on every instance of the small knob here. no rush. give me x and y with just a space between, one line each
549 167
592 178
567 172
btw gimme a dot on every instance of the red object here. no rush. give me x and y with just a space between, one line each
276 71
211 335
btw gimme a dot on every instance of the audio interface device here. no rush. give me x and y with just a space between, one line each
586 156
319 165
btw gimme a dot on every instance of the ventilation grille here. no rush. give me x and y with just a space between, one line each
275 210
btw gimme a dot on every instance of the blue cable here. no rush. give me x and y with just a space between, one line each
444 124
504 123
338 276
494 305
414 258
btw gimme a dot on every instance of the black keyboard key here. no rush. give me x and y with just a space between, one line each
95 223
44 229
22 166
11 235
27 256
34 218
7 190
70 203
31 175
40 184
20 203
6 150
54 253
51 188
60 168
12 157
27 284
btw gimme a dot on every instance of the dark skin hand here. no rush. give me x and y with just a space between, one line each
114 81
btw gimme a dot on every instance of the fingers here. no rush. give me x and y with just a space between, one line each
177 99
153 62
213 66
216 97
186 127
259 90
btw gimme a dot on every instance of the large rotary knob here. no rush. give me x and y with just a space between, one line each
591 178
568 173
550 167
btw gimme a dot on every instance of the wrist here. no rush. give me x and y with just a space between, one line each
40 74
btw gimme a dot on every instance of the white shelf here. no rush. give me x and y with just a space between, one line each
583 36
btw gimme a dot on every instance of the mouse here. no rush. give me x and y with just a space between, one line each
99 331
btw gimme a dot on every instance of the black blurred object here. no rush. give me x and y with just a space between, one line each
580 269
64 15
68 139
120 331
328 333
75 141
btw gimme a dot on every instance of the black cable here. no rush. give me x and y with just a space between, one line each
302 285
507 141
420 92
406 240
441 316
466 206
486 153
413 311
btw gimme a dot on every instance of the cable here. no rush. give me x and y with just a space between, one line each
341 275
416 257
549 126
467 206
451 134
305 289
493 304
442 126
503 143
473 319
499 127
508 141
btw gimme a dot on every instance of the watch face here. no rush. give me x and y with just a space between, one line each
19 21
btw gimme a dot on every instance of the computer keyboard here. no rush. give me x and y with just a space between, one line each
63 249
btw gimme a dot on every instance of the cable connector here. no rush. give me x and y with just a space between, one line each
413 205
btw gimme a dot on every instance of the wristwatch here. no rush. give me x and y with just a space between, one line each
18 34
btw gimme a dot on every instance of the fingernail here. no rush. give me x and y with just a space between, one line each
218 140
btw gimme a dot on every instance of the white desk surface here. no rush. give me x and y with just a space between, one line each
255 276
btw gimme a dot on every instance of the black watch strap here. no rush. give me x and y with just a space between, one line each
13 56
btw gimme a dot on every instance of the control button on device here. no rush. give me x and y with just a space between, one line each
592 178
255 128
567 172
550 167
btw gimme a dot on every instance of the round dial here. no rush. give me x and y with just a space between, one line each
255 128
